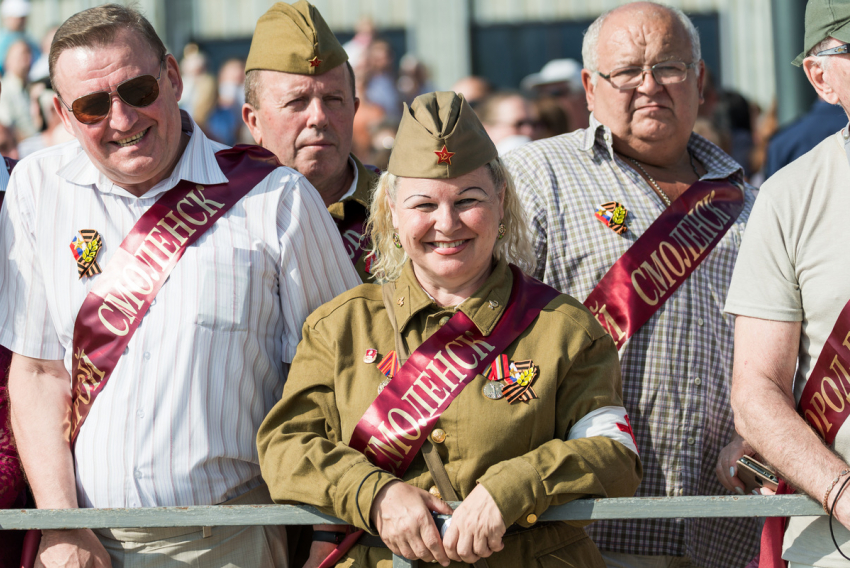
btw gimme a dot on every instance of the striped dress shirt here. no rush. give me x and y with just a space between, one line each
677 369
176 423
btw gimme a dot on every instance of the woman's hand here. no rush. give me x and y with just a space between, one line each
477 528
727 463
402 515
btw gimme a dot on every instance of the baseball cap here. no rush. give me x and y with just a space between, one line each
15 8
825 18
556 71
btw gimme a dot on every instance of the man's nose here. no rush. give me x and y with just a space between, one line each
318 116
121 115
648 83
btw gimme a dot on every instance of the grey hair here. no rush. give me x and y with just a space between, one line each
590 43
822 60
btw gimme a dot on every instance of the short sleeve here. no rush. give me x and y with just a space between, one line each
764 282
26 326
314 267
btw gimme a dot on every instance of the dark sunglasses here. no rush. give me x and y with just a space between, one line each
137 92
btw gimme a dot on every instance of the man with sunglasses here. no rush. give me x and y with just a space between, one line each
789 293
300 104
604 203
146 356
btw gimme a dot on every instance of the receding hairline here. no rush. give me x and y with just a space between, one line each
116 40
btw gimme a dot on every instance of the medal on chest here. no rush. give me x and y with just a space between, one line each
512 381
85 248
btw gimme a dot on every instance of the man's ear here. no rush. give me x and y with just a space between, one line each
249 117
63 114
819 79
589 88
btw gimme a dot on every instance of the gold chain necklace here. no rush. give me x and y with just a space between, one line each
655 185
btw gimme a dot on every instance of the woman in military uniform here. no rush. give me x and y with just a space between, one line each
540 425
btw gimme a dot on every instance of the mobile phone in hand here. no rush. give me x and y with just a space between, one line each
755 475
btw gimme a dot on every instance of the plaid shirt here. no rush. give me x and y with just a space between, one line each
677 369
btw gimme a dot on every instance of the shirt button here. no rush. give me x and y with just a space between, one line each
137 474
700 321
435 492
531 519
697 381
140 413
691 441
444 320
438 436
147 355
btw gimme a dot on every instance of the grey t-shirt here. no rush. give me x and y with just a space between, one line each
793 266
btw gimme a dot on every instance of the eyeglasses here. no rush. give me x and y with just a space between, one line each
666 73
837 50
137 92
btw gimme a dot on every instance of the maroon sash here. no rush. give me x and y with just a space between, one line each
825 403
395 426
116 304
654 267
353 233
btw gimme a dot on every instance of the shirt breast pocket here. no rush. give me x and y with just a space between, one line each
224 288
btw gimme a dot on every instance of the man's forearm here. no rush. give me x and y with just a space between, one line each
40 393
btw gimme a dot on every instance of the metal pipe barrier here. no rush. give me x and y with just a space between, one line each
241 515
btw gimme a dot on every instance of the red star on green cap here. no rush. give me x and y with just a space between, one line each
444 156
315 61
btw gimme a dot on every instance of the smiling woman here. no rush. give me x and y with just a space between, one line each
510 399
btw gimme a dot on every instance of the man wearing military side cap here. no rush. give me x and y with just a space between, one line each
300 104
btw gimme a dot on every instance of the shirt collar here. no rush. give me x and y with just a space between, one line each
718 164
360 190
196 165
484 307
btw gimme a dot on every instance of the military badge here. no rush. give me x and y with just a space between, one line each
444 156
389 365
498 369
315 62
85 247
371 355
613 215
519 384
493 390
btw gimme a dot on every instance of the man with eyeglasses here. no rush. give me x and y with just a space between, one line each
789 293
154 288
640 219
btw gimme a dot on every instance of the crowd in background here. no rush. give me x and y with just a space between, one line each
545 104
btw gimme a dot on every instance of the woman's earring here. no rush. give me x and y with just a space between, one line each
397 240
502 231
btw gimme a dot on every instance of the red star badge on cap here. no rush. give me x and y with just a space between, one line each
444 156
315 61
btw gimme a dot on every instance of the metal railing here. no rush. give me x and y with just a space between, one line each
243 515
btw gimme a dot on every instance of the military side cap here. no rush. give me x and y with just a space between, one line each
825 18
440 137
294 39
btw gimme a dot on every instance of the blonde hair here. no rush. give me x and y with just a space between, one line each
515 246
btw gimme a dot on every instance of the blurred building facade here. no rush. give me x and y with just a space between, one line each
502 40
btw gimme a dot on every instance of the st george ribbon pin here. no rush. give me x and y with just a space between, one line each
85 247
613 215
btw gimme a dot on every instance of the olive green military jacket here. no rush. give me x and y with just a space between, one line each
355 205
517 451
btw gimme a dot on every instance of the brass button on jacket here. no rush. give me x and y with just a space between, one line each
329 388
531 519
438 436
